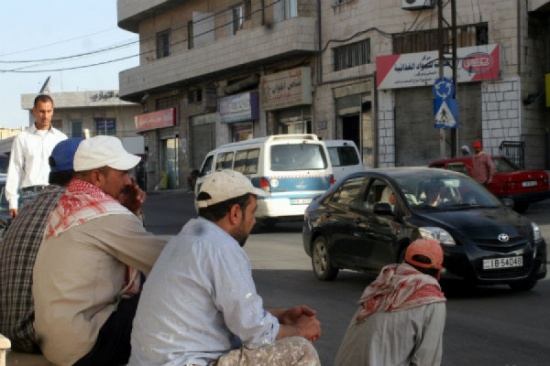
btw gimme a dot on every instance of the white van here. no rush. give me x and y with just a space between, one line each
344 157
293 168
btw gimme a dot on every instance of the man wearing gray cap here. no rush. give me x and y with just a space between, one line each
86 279
199 306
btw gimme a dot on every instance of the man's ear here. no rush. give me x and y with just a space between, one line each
235 214
96 177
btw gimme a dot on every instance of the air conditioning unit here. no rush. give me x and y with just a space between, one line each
417 4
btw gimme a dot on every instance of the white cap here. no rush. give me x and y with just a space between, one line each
100 151
224 185
466 148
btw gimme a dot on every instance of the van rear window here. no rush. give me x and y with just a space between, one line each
343 156
298 157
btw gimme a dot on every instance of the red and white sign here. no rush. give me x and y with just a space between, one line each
154 120
422 69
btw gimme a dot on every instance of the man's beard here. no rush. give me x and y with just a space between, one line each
240 235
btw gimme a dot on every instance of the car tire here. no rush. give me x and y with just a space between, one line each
524 285
321 262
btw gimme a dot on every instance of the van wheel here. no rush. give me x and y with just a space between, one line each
321 262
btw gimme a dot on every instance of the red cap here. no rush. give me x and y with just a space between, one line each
477 144
430 249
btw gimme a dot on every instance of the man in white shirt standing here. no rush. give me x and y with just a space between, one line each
29 169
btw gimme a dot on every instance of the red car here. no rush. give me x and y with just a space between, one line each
510 181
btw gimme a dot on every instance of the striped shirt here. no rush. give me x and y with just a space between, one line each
483 168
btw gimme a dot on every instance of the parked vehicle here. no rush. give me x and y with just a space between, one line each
344 158
484 242
293 168
523 187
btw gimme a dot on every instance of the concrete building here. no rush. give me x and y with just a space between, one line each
216 71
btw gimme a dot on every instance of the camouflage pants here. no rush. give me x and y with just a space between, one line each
288 351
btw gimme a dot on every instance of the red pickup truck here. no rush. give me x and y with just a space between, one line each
510 181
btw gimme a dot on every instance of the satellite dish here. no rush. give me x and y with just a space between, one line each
45 89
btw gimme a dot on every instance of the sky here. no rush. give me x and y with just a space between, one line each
36 32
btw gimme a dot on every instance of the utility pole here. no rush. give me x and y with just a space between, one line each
441 22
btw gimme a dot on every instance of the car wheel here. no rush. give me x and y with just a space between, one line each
524 285
320 260
521 207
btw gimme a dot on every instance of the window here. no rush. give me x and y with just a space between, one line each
190 35
291 8
163 44
352 55
297 157
343 156
285 9
105 126
76 129
246 161
428 40
237 19
224 161
348 193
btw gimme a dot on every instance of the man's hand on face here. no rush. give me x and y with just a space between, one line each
132 197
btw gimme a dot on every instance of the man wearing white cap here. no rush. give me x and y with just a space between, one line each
86 279
199 306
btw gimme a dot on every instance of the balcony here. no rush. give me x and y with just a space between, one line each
249 47
132 12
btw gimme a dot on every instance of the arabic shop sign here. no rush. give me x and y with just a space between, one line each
286 89
239 107
154 120
422 69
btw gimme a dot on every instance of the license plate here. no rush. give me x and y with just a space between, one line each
529 183
498 263
300 201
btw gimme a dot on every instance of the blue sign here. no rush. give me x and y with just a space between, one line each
446 113
443 88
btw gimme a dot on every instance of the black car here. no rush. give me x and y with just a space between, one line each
367 220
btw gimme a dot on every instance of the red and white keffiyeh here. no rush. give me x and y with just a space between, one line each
83 202
399 287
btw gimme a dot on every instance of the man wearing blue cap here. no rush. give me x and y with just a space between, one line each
19 248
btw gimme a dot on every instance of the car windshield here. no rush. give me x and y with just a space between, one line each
442 190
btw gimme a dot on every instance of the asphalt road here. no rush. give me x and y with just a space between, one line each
485 326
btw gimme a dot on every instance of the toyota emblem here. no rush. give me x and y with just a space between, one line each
503 238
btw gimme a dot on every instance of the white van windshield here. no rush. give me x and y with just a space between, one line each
298 157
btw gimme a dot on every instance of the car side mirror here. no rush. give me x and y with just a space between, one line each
383 208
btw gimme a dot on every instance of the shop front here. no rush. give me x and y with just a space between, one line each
410 132
240 112
287 97
162 167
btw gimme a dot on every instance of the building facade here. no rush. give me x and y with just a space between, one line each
218 71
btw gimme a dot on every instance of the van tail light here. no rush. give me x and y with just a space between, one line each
332 180
264 185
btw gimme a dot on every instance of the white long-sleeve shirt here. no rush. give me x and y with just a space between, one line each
29 160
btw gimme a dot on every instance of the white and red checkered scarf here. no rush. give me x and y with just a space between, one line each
83 202
399 287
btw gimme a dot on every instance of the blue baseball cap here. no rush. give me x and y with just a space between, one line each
62 155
